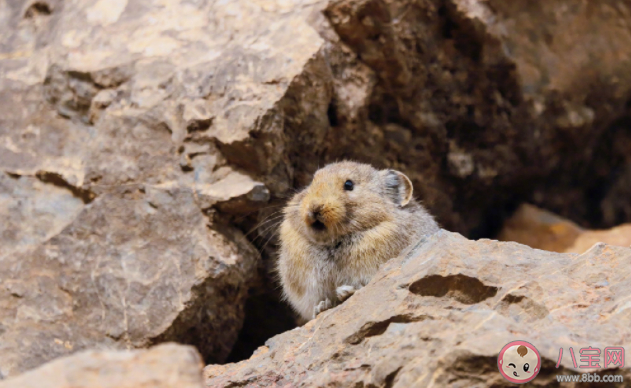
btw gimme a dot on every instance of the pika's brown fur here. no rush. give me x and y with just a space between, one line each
334 236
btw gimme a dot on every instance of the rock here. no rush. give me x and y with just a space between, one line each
236 193
620 236
164 366
541 229
135 267
439 315
33 211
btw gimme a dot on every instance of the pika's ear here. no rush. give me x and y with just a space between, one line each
398 187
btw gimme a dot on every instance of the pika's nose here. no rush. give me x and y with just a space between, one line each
315 220
315 213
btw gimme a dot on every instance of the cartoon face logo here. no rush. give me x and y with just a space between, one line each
519 362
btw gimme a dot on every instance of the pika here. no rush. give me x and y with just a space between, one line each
338 231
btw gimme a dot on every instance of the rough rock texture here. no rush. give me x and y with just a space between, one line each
438 316
164 366
483 102
142 141
111 239
136 266
542 229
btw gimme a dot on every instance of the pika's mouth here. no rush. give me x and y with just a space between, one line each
318 226
515 374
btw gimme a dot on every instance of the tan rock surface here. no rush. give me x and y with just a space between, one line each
620 236
135 267
542 229
164 366
439 315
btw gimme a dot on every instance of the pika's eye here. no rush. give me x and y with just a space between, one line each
512 365
526 367
348 185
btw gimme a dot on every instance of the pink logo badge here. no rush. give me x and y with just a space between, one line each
519 362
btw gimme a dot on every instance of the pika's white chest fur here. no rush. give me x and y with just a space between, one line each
312 273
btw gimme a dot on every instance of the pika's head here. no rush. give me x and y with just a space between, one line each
346 198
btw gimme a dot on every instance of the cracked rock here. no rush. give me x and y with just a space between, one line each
139 265
439 314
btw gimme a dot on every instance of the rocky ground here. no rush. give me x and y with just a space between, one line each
146 147
438 316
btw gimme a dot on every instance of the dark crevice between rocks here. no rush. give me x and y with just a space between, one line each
331 113
464 289
38 8
265 317
13 175
595 192
483 368
199 125
52 178
265 314
389 380
453 29
192 325
494 217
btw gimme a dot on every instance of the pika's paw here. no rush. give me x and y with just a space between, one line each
344 292
322 306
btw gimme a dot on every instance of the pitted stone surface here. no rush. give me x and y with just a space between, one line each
440 314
